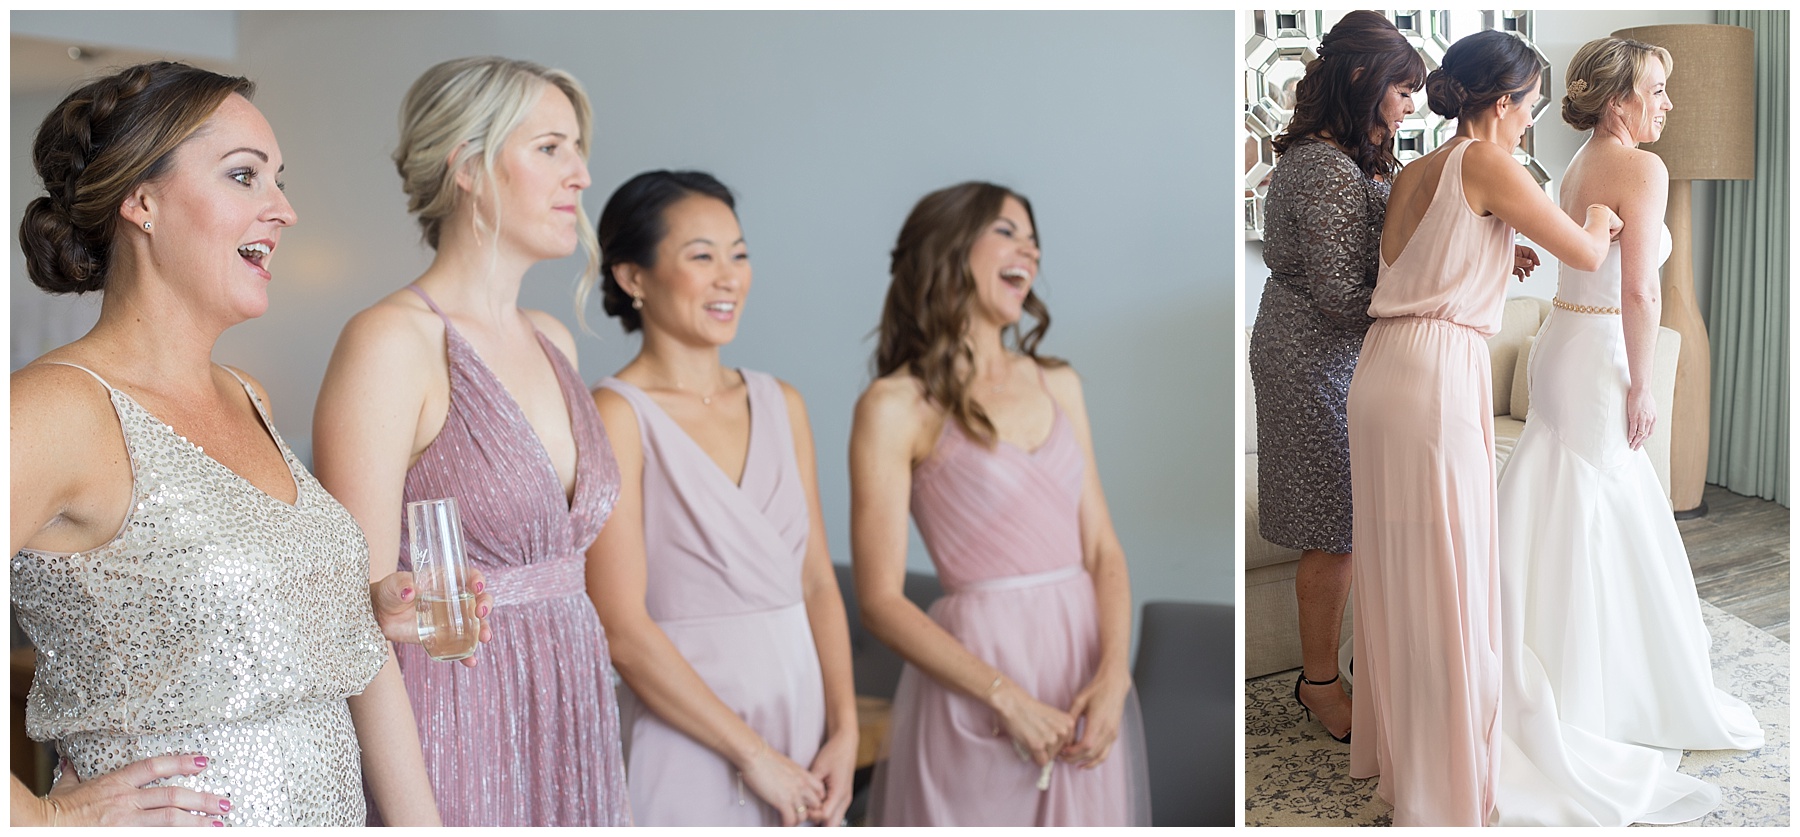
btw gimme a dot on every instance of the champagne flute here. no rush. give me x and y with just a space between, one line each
448 626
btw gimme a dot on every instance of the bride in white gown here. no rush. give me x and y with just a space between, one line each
1606 674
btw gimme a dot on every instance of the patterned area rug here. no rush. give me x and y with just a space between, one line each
1295 775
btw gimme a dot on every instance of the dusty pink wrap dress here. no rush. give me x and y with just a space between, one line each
1004 530
723 567
530 736
1424 580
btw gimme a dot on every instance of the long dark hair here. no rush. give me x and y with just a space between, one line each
932 295
1478 70
632 225
1333 100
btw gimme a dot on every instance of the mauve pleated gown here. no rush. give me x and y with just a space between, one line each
1004 530
723 566
1424 580
531 735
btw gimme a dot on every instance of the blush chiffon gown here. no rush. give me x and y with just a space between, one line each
1003 528
723 563
1607 672
531 735
1424 581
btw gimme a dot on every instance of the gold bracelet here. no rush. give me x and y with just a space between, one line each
1583 309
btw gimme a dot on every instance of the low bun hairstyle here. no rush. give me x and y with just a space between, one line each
465 109
632 227
1480 69
102 142
1604 71
1331 99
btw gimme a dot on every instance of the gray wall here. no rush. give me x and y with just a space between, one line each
829 126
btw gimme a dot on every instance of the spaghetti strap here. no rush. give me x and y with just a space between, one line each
428 301
109 387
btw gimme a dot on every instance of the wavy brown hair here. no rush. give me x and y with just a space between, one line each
1332 100
932 296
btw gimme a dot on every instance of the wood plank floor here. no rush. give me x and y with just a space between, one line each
1740 553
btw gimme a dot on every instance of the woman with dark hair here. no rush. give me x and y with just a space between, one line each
1022 666
448 388
1422 444
200 605
1608 675
1327 197
714 579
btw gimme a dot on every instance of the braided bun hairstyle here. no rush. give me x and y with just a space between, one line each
1478 70
103 141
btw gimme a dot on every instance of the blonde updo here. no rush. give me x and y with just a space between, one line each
466 108
1604 71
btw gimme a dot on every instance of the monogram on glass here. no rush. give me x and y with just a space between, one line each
448 626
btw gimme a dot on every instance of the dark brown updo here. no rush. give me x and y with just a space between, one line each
1478 70
102 142
632 227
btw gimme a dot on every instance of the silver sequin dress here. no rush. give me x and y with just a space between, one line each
219 621
1321 241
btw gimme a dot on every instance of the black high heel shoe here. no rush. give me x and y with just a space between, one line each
1304 708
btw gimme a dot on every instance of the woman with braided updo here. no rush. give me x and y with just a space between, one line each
200 605
1422 441
1327 198
1607 664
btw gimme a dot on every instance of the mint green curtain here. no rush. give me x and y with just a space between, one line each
1748 311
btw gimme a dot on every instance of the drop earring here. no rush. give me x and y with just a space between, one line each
637 303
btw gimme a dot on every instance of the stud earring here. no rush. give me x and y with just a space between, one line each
637 303
146 226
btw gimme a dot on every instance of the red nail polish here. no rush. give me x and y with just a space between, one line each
218 823
200 762
480 586
224 806
405 592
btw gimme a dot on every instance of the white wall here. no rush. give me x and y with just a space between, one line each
829 126
1559 34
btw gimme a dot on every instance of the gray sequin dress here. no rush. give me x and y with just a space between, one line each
219 621
1322 242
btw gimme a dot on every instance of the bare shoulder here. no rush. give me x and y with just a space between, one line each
894 398
796 404
1064 383
1642 166
617 414
556 330
58 410
397 333
255 385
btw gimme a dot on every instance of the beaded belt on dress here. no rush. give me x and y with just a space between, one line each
1015 582
1583 309
536 582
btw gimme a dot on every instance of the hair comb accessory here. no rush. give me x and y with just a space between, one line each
1578 86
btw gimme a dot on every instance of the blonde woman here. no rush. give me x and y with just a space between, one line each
1606 673
448 388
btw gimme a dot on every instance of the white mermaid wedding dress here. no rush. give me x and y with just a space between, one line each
1606 675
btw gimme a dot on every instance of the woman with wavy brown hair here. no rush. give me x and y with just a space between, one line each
1327 199
1022 667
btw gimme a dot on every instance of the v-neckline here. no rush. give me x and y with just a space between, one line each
749 440
545 347
268 428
